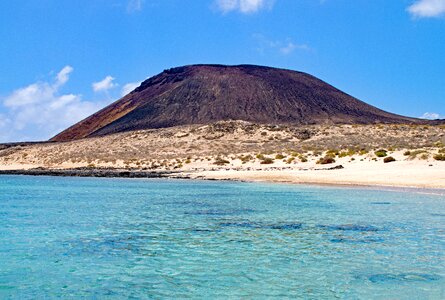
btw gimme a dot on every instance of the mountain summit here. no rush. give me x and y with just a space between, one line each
204 94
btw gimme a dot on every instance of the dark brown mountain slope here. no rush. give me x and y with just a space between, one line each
203 94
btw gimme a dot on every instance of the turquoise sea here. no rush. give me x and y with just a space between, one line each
91 238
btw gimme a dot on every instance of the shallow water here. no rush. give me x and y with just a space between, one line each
117 238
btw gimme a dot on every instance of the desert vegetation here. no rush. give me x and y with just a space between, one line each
236 143
326 160
388 159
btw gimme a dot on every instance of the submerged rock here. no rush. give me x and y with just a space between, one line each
348 240
223 212
287 226
403 277
284 226
350 227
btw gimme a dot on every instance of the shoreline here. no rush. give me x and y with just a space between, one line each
183 175
344 155
88 172
393 188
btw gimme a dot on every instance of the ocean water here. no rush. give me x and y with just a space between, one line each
90 238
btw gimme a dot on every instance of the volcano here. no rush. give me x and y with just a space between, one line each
205 94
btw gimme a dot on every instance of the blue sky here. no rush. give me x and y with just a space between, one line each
62 60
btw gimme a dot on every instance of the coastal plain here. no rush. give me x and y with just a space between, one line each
400 155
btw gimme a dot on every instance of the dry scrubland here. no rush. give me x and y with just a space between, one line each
236 145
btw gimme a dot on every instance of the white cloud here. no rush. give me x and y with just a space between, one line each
39 111
64 75
285 47
104 85
291 47
427 8
129 87
430 116
243 6
30 94
134 5
37 91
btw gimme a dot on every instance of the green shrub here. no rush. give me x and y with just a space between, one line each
363 152
267 161
349 152
424 156
414 154
221 162
439 156
246 158
326 160
260 156
389 159
279 156
332 153
381 153
343 154
290 160
316 153
294 153
407 153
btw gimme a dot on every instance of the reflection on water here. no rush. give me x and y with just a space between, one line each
102 238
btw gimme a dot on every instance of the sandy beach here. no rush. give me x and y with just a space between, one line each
400 173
